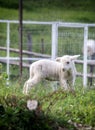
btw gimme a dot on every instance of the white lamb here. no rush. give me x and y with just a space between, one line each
90 47
62 70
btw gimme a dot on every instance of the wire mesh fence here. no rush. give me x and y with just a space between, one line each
70 41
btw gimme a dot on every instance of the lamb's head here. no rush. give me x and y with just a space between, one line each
89 51
67 61
90 47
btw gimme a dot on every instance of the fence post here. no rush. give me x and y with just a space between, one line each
29 41
20 35
54 40
85 57
42 46
8 50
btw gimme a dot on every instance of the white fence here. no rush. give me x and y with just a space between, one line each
54 40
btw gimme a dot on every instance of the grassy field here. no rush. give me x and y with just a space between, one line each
44 14
57 109
67 110
67 11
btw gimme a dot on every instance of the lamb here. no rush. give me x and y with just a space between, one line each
91 56
90 47
62 70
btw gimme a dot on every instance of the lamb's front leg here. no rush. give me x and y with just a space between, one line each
64 84
72 82
71 85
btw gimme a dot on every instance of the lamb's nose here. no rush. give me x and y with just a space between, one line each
63 69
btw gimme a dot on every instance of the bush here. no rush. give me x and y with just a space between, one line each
14 115
14 4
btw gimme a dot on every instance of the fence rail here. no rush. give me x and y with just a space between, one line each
89 62
89 75
26 52
15 63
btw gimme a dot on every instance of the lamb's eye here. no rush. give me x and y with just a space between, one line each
68 62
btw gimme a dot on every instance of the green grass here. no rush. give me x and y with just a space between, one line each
9 14
48 14
78 108
57 108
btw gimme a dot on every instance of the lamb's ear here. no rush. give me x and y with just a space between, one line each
58 59
74 57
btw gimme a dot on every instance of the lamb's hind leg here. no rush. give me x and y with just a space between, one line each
25 87
30 83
